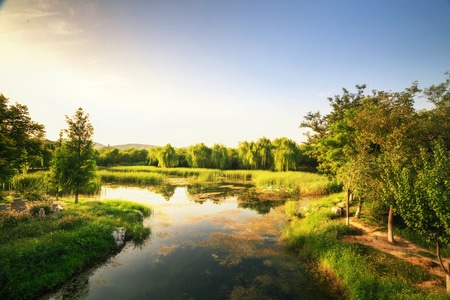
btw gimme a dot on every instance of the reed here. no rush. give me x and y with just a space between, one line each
304 183
131 177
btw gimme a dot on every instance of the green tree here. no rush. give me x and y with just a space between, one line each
264 151
247 155
286 154
388 138
219 157
21 140
73 165
167 157
422 193
199 156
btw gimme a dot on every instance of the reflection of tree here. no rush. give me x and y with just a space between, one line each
251 199
200 193
165 190
261 207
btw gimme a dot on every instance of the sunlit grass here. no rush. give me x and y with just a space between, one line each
40 253
365 273
303 183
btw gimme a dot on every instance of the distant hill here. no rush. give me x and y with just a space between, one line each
125 146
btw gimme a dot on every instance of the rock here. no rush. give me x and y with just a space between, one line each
18 204
337 210
119 236
57 208
42 212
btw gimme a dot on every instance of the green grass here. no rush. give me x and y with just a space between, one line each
363 272
304 183
131 177
301 183
42 253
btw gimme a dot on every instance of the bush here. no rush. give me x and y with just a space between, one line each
34 210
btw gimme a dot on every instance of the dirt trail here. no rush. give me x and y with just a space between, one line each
401 248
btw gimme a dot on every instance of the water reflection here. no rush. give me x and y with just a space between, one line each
223 248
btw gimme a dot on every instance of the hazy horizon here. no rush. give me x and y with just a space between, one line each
187 72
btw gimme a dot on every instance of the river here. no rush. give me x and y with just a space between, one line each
208 249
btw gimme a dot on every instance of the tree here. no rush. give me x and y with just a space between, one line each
286 154
199 156
422 194
167 157
21 139
388 135
73 165
219 157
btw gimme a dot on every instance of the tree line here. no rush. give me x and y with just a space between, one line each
23 147
389 155
281 154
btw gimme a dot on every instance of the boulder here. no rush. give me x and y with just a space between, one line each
119 236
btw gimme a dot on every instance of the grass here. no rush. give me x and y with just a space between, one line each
42 253
301 183
363 272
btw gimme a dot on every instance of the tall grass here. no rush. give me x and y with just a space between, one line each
42 253
304 183
365 273
131 177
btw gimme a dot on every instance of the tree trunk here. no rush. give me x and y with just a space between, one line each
446 271
390 226
347 206
358 209
447 278
76 196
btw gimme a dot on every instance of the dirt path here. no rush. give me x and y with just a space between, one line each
401 248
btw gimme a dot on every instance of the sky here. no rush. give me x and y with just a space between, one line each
205 71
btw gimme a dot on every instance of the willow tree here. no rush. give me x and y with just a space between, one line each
73 166
167 157
220 157
286 154
199 156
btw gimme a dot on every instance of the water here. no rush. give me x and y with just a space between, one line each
199 249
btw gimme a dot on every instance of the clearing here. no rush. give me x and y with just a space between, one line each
401 248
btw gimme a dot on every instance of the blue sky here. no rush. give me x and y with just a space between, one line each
185 72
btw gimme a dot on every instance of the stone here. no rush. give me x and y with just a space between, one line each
18 204
57 208
2 206
337 210
41 212
119 236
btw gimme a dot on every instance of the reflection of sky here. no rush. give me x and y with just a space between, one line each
207 242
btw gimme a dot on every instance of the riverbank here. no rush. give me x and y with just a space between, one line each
354 269
44 251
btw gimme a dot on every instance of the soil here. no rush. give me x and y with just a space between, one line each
403 249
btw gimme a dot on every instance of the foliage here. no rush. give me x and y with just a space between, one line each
301 183
21 140
296 183
73 166
365 273
280 154
422 193
43 253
